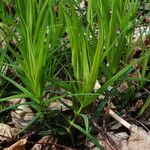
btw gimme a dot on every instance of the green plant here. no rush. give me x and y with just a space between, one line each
99 40
36 32
88 50
92 42
117 21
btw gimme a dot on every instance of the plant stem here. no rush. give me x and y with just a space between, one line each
72 122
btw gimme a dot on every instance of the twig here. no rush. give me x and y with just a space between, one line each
142 87
119 119
113 114
107 139
136 122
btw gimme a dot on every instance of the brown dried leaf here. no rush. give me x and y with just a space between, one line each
20 145
59 106
141 33
139 140
44 144
123 86
135 108
7 133
118 137
139 103
147 42
147 19
136 74
22 114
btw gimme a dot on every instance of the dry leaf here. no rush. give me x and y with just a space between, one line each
7 133
139 140
143 31
136 74
147 42
44 144
59 106
135 108
123 86
83 4
139 104
20 145
118 137
22 114
147 19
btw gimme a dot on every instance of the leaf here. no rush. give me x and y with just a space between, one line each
44 146
16 84
47 101
86 122
100 91
146 105
20 145
22 114
15 106
139 139
13 97
7 133
30 122
100 108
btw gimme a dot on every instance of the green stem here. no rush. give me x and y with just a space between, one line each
71 122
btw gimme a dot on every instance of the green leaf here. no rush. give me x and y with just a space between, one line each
14 97
17 85
146 105
86 122
15 106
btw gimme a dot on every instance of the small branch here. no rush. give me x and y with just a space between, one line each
113 114
119 119
111 144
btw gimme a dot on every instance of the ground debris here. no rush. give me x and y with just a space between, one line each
138 140
19 145
44 146
22 114
7 133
